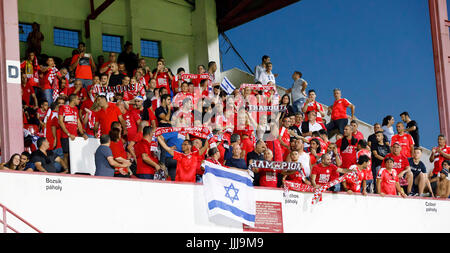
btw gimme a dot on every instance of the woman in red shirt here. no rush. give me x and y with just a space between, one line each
118 151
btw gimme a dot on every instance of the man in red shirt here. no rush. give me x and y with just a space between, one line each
78 90
401 165
185 171
357 134
69 121
387 180
133 118
312 105
52 129
163 76
405 140
28 92
439 154
147 163
360 168
107 114
347 147
83 64
338 112
106 67
324 172
284 137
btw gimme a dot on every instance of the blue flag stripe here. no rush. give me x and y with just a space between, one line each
229 175
234 210
227 86
230 86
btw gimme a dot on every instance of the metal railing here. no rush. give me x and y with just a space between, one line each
3 221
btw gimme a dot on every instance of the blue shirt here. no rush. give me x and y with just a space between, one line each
173 139
102 166
237 163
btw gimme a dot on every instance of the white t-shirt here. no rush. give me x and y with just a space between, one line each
265 77
258 70
315 127
304 159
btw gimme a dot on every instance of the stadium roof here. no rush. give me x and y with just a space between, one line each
233 13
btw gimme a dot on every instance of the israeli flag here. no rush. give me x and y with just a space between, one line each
227 86
229 193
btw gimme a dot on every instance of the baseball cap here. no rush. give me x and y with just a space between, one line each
398 143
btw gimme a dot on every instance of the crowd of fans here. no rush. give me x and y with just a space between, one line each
125 103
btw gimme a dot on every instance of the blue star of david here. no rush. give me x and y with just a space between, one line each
231 187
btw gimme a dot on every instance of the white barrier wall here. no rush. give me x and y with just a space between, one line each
64 203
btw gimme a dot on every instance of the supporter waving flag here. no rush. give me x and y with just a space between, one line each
227 86
229 193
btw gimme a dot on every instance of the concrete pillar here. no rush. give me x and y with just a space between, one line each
206 34
94 43
134 35
441 51
11 131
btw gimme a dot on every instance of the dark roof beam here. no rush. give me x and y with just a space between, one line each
94 14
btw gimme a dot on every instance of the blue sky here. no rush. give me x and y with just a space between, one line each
379 52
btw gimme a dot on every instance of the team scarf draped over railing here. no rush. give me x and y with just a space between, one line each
352 176
258 87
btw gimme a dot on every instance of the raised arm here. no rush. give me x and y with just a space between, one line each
163 144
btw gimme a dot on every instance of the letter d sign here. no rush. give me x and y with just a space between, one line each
13 72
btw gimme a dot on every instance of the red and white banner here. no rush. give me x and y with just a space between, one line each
200 132
257 87
194 76
352 176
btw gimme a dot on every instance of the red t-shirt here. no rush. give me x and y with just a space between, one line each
286 138
348 155
83 70
141 147
268 177
247 146
340 109
358 135
70 118
275 147
65 91
324 174
41 114
131 118
118 150
438 159
367 172
27 91
45 83
296 177
152 117
185 171
81 94
163 80
405 141
388 181
108 116
400 162
355 186
314 106
52 120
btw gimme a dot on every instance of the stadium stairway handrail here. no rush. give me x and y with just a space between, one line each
3 220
